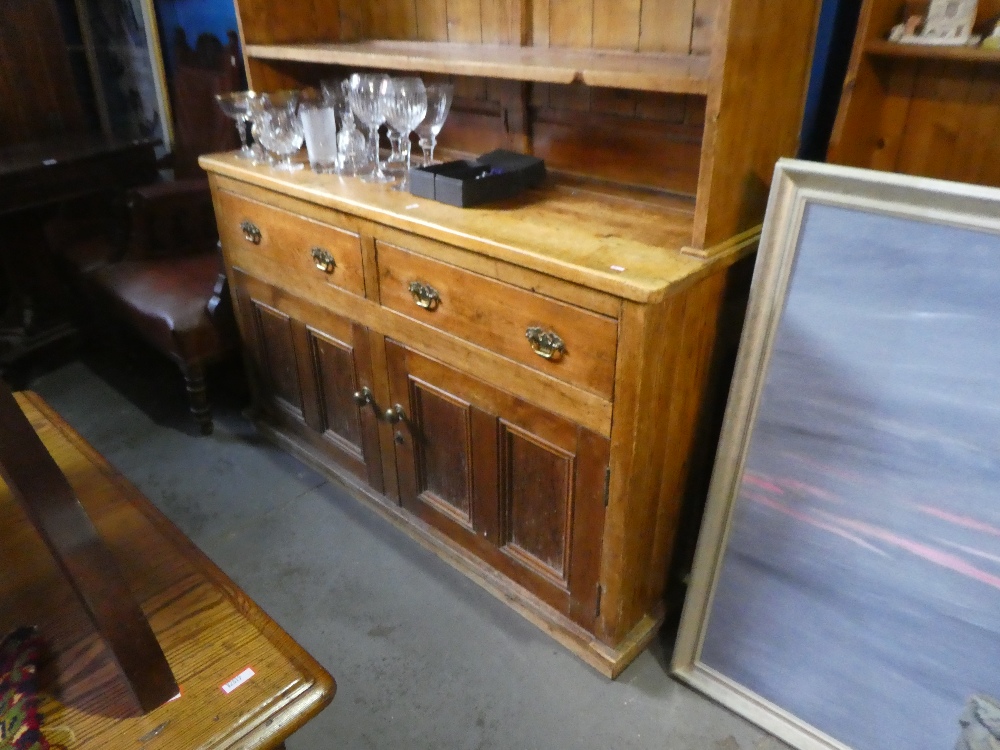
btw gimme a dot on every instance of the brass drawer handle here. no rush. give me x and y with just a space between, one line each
425 295
364 397
323 260
250 232
545 344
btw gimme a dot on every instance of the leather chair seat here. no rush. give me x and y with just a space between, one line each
165 301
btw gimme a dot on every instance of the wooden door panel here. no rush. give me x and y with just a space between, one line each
333 363
517 486
536 501
336 364
308 371
276 355
444 471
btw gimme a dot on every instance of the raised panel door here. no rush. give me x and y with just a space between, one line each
512 483
312 368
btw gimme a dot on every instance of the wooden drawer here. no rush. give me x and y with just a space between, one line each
498 317
310 252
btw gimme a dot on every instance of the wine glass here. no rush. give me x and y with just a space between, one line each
236 104
277 125
407 108
439 96
369 96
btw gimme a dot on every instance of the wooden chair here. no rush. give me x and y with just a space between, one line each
53 508
163 276
170 287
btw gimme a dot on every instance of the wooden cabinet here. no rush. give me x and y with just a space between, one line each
922 110
520 487
312 373
531 388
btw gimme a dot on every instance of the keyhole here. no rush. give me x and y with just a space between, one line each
399 437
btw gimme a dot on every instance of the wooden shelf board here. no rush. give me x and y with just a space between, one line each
884 48
679 74
624 242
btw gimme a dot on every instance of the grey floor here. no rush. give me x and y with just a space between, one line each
423 658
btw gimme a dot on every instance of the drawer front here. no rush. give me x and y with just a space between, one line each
566 342
310 252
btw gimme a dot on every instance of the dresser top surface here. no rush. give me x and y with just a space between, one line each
620 241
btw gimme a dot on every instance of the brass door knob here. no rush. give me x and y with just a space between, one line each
424 295
545 344
395 415
323 260
364 397
251 233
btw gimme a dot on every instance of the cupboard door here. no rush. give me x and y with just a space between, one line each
312 368
519 487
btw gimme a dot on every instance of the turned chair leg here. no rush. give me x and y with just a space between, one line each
197 389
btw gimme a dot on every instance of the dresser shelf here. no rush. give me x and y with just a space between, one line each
666 73
884 48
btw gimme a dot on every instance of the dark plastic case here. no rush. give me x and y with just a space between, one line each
491 177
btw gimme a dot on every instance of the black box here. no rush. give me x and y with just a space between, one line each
491 177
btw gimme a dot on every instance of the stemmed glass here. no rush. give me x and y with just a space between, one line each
369 94
277 126
351 144
439 96
236 104
407 107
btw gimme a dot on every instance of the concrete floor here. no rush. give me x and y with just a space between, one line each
423 657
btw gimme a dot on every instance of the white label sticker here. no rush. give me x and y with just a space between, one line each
618 268
50 162
238 680
412 206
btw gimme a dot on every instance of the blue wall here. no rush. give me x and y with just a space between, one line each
195 17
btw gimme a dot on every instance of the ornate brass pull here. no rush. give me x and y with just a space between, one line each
364 397
546 344
323 260
395 415
250 231
425 295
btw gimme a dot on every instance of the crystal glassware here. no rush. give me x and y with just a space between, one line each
318 118
369 96
351 157
439 96
277 126
407 109
236 104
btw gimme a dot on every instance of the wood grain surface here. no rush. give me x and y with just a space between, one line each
208 628
918 109
624 242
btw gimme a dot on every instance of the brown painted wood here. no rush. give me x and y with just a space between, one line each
322 362
514 471
291 240
666 412
34 479
190 604
759 51
521 509
660 122
497 316
36 79
568 228
563 63
915 109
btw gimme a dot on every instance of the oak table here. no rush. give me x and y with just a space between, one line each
212 633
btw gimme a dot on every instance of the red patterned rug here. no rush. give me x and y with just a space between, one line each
20 722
